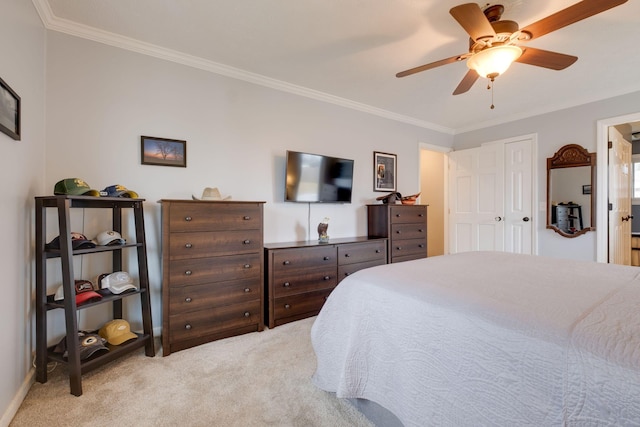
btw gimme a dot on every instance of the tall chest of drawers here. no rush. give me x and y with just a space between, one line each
301 275
404 225
212 277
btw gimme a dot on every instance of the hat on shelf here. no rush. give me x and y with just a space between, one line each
109 238
78 241
84 292
119 191
117 331
210 193
116 283
74 187
88 344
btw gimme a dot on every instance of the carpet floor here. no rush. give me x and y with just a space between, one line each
256 379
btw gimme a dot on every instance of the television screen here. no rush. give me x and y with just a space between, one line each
313 178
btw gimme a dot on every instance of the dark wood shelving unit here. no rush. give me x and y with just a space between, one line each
62 206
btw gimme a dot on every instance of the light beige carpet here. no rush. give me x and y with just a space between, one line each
257 379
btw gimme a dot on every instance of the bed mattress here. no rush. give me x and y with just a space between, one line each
486 338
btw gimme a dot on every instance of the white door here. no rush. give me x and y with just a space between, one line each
476 183
518 220
619 199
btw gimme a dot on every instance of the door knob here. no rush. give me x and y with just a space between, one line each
525 219
498 218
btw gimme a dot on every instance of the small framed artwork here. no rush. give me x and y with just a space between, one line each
9 111
586 189
163 151
384 171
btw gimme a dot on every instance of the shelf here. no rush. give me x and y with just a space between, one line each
57 253
52 305
100 358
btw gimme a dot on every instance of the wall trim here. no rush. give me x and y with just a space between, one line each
13 407
53 23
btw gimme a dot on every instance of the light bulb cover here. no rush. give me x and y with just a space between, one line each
494 61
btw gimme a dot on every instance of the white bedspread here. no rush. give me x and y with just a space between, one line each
486 338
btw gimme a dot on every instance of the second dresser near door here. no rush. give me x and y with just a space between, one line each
404 225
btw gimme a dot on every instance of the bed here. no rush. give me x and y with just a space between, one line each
486 338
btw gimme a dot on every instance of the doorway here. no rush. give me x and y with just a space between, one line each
433 192
602 202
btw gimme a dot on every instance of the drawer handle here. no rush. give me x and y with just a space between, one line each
247 314
187 299
326 258
399 248
286 284
247 266
398 215
246 217
420 215
187 218
421 245
398 232
247 290
377 251
287 306
246 242
188 273
188 246
327 277
420 230
286 263
347 255
346 274
187 326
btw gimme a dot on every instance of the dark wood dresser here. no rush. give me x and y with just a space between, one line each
299 276
212 277
404 225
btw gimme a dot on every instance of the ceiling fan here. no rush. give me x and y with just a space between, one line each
494 43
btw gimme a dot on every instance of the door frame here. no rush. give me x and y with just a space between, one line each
602 180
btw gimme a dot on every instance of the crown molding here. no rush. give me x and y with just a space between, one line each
54 23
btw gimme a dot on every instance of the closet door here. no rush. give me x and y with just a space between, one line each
518 218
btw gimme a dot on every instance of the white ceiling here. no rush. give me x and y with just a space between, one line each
348 51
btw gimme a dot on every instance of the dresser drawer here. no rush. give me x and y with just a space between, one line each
360 252
183 299
400 248
404 214
290 260
204 322
299 306
214 243
349 269
212 216
202 270
286 283
409 231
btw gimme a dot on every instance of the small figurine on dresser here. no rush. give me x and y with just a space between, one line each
323 237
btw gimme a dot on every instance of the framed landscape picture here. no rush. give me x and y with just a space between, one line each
163 151
384 171
9 111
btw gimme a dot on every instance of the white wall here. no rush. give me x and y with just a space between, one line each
101 99
21 175
570 126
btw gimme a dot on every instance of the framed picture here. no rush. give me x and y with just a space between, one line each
163 151
586 189
9 111
384 171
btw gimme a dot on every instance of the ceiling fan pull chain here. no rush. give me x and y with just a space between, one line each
490 86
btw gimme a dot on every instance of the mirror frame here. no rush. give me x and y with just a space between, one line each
571 156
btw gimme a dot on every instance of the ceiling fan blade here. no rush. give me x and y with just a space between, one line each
432 65
570 15
546 58
467 81
471 18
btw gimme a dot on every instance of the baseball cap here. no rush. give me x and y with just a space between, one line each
74 187
84 292
119 191
117 282
78 241
117 331
88 343
109 238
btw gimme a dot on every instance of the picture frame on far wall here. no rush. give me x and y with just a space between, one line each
9 111
384 171
163 151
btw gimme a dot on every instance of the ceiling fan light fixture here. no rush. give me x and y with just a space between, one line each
494 61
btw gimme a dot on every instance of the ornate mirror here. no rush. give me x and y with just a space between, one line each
571 191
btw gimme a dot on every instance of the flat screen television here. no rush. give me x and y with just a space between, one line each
314 178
